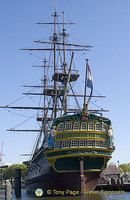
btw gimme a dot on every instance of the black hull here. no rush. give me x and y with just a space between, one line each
65 182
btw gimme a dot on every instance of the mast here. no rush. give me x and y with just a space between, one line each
44 88
64 65
55 38
55 41
44 83
64 35
66 85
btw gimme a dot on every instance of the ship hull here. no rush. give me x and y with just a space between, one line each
66 173
55 183
63 184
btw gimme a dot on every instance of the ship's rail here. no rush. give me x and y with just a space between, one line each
74 71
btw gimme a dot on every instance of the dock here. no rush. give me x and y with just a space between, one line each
114 187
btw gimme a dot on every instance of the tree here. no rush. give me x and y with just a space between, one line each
9 172
125 167
121 170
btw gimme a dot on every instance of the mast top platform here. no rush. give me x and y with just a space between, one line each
61 77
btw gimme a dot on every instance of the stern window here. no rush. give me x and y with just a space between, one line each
90 143
98 127
91 126
83 125
98 144
104 144
76 126
82 143
68 127
60 127
65 144
74 143
104 127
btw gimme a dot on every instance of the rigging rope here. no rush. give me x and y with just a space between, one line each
96 105
19 114
24 121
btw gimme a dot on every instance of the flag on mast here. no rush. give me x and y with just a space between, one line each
90 82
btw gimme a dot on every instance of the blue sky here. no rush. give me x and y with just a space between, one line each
105 24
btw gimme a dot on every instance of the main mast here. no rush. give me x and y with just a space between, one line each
55 82
45 79
64 62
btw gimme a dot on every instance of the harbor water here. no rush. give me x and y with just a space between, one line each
101 196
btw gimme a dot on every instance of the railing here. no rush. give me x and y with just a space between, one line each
61 70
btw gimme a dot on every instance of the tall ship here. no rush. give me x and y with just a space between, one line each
74 142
